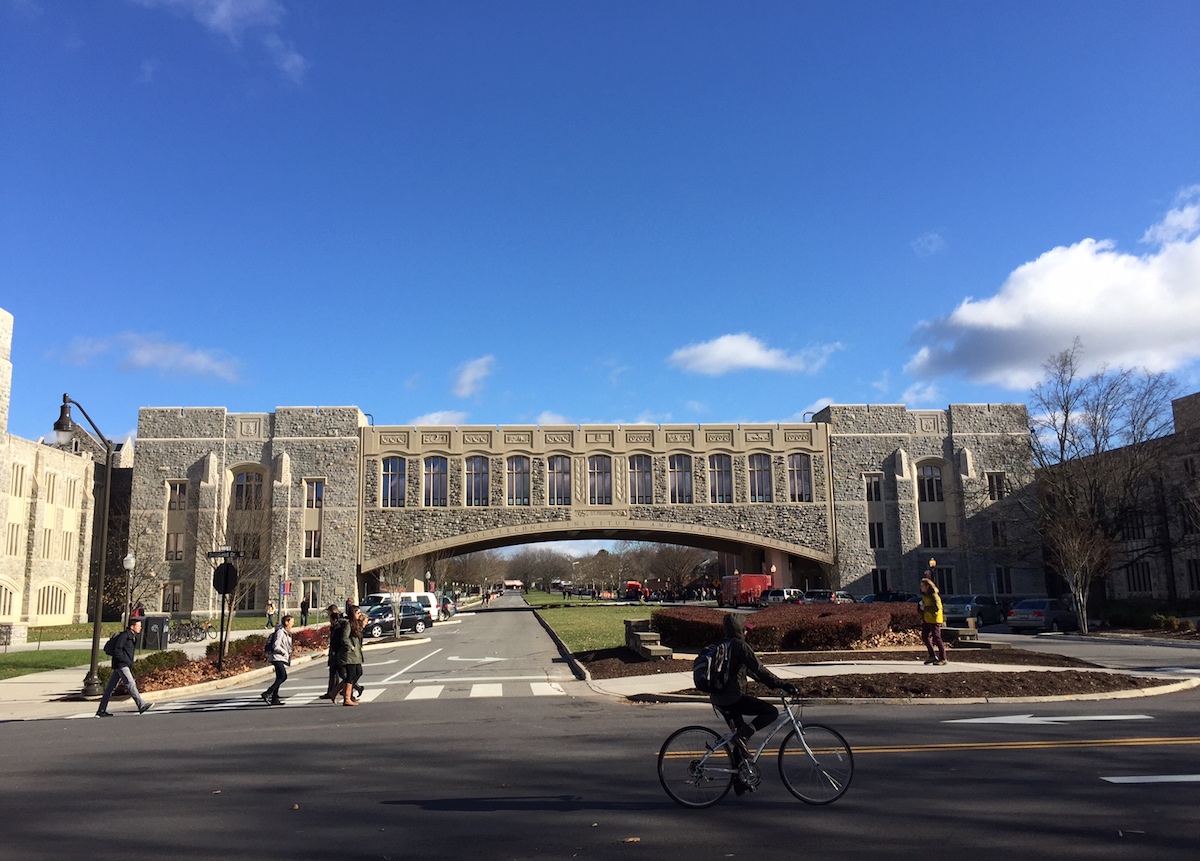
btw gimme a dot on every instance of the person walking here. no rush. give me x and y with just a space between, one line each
280 655
121 647
270 613
337 634
350 656
304 605
932 619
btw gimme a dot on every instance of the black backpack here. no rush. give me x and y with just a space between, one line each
269 646
713 667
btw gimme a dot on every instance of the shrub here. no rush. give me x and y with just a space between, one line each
153 662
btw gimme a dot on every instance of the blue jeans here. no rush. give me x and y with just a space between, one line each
280 678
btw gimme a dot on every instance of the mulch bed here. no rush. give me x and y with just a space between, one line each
617 663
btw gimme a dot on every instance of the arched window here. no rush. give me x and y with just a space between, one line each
51 601
800 478
6 601
436 482
518 480
720 478
679 473
641 484
600 480
929 483
558 469
760 478
477 480
392 489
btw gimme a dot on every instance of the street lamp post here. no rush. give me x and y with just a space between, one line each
64 432
129 563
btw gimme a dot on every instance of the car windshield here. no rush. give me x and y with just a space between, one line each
1031 605
959 599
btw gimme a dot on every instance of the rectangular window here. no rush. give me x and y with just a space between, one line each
12 541
436 482
312 544
641 485
1193 574
875 531
176 495
249 599
945 580
929 484
477 481
874 485
800 478
68 546
1137 578
760 478
997 487
679 473
999 533
600 480
394 473
172 596
17 486
933 535
249 543
1189 466
559 474
51 489
247 491
879 579
1003 580
174 547
518 480
1134 527
720 478
47 542
311 590
72 493
314 493
1191 519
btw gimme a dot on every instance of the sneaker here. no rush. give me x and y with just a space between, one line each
929 661
941 663
145 707
266 697
275 702
103 713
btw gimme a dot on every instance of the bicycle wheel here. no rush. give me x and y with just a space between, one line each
212 632
197 632
822 777
692 769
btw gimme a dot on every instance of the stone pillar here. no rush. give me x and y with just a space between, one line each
6 332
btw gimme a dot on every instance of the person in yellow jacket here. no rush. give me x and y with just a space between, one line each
931 621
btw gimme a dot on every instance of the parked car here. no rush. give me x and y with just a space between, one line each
1042 614
782 596
381 619
449 608
843 597
985 608
892 595
818 596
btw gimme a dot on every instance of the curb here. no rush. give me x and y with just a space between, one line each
580 672
1173 687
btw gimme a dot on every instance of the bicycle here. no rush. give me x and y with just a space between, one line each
696 764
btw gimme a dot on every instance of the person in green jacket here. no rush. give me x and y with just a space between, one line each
931 620
350 657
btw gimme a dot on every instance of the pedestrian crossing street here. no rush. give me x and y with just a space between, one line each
301 697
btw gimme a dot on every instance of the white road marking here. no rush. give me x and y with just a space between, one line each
546 689
425 692
475 660
482 690
410 666
1155 778
1030 720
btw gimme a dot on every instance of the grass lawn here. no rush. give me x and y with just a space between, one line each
22 663
590 627
83 630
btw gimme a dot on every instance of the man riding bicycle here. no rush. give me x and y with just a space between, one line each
731 701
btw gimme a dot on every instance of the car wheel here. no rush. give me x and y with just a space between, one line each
376 631
419 627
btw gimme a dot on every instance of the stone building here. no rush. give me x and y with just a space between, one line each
46 507
318 499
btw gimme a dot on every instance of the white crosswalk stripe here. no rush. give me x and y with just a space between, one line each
425 692
487 690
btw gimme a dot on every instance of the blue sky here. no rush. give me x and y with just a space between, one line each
575 212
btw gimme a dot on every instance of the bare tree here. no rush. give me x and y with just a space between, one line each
476 569
1091 436
540 566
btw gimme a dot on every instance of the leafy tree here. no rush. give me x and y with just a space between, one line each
1091 436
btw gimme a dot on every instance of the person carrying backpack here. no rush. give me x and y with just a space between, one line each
730 699
121 648
279 653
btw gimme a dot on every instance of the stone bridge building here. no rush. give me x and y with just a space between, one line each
859 498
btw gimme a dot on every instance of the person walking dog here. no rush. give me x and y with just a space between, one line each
121 647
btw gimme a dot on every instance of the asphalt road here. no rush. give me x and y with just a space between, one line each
513 759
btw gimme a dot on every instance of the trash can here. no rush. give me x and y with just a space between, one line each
154 632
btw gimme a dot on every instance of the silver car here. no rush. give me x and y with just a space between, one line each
958 608
1042 614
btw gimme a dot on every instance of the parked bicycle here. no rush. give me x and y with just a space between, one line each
189 630
696 765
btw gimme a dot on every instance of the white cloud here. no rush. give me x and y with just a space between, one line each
806 414
150 352
441 417
548 418
471 376
234 18
742 352
929 244
921 395
1127 310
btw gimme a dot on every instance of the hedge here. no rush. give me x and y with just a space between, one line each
788 627
154 661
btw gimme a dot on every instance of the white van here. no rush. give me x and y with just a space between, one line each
426 599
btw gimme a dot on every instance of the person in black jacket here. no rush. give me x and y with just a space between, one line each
732 702
121 647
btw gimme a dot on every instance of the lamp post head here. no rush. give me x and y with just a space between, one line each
64 428
129 562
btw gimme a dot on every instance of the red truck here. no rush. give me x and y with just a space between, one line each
742 589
